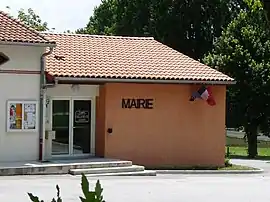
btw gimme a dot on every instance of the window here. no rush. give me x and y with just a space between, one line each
22 116
3 58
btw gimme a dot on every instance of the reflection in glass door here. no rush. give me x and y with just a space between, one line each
81 126
60 124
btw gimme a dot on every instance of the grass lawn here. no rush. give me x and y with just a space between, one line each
237 167
238 147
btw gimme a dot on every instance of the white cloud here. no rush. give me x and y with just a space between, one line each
59 14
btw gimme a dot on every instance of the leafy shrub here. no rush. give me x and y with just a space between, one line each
89 196
227 162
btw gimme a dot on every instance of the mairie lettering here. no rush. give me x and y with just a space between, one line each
137 103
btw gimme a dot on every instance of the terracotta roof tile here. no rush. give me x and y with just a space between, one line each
124 58
12 30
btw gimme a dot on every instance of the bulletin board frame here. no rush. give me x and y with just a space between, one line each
22 116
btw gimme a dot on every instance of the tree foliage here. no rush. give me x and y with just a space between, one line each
31 19
189 26
243 52
103 20
266 6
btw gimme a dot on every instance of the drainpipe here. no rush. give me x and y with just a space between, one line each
42 104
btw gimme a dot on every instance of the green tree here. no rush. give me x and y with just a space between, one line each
243 52
103 20
188 26
266 6
31 19
68 32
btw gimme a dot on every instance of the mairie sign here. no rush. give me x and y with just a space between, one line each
128 103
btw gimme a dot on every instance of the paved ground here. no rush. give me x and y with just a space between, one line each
163 188
264 164
237 134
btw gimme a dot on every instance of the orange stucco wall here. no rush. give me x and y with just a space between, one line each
175 132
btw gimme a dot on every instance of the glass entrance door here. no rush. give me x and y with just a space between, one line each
81 126
71 121
61 126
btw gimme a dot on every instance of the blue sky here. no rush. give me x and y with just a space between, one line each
59 14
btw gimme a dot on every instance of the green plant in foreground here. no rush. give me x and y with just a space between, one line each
36 199
227 162
90 196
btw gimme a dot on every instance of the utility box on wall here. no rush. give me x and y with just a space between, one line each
49 136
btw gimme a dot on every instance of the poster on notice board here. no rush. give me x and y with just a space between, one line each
29 116
22 116
15 116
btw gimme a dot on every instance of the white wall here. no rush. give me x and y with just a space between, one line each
20 146
65 90
22 57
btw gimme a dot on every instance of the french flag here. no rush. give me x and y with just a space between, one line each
49 78
204 93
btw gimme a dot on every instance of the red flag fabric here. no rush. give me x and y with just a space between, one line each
210 100
204 93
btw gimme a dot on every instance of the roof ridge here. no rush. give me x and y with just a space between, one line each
99 36
24 25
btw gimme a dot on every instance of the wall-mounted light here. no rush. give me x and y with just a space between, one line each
47 102
75 87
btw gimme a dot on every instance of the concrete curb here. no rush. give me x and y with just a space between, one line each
257 171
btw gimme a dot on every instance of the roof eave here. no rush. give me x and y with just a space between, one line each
156 81
27 44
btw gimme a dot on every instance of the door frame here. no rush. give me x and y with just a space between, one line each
71 117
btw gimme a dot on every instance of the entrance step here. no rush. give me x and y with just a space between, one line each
94 171
90 167
60 167
105 164
137 173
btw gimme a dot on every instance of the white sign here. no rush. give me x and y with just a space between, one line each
81 116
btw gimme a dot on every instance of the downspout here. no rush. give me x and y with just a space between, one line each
42 103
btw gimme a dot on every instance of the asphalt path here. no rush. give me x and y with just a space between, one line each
162 188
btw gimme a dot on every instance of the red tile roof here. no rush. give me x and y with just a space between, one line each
12 30
112 57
